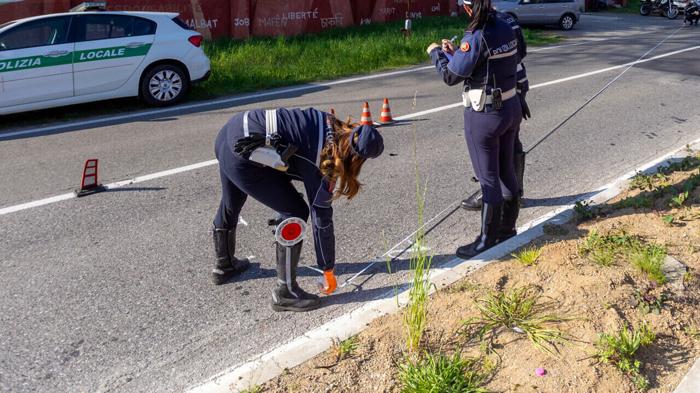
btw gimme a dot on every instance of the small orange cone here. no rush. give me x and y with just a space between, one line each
366 119
385 117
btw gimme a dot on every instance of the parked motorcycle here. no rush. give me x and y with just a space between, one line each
664 7
692 13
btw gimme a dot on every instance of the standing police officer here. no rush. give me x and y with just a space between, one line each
259 153
473 202
486 62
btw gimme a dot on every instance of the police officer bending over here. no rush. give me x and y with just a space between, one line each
486 62
260 152
473 202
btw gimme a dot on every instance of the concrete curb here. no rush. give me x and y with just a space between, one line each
691 381
273 363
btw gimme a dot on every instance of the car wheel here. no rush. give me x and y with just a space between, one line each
164 85
567 22
645 9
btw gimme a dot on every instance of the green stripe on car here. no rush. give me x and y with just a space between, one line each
109 53
26 63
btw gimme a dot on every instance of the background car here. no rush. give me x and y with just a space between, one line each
564 13
70 58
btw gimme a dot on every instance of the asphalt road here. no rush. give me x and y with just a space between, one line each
111 292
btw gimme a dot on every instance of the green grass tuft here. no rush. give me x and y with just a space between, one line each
619 349
604 250
528 256
649 259
443 374
519 310
415 316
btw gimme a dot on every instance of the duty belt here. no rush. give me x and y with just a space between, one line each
507 95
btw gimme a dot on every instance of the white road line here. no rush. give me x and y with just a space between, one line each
231 100
63 197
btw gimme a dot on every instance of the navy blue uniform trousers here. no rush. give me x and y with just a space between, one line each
240 178
491 138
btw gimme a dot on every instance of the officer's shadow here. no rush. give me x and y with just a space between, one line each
394 276
556 201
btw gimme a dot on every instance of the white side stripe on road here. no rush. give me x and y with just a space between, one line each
63 197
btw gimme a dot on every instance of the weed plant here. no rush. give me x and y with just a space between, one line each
619 349
649 302
345 349
649 258
641 201
520 310
416 313
679 200
444 374
605 250
584 211
253 389
688 163
650 182
528 256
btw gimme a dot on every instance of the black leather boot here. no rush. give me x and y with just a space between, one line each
490 224
287 295
519 158
473 202
511 210
227 265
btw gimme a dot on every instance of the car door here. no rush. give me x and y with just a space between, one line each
36 61
554 9
109 48
530 11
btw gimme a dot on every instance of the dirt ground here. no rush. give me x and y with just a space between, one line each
598 299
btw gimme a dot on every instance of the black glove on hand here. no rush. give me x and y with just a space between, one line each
526 109
245 146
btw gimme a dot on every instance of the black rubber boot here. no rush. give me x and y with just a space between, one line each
490 224
519 158
511 210
287 295
473 202
227 265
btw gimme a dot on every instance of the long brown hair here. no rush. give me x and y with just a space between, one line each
339 163
481 10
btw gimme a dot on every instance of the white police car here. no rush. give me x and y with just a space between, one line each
76 57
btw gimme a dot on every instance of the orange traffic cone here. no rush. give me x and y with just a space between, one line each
366 119
385 117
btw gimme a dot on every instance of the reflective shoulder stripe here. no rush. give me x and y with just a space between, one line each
246 130
320 138
270 124
504 55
